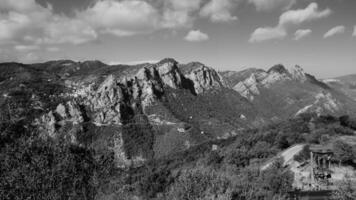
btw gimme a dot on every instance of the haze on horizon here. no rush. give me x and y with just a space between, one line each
319 35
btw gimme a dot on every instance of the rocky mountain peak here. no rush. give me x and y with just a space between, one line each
204 78
278 69
298 73
168 60
169 73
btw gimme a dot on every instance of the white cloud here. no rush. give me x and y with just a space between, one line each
196 36
176 19
354 34
267 33
64 30
18 6
27 21
296 17
289 19
301 33
121 18
219 10
178 13
334 31
268 5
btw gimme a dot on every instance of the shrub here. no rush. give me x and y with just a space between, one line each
343 151
201 183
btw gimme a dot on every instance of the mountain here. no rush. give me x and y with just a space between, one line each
280 93
345 84
150 111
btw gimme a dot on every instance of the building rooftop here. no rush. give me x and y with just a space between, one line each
323 149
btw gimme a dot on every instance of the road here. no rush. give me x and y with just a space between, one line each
287 155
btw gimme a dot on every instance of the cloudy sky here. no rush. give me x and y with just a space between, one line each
319 35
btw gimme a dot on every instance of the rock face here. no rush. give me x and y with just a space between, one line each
298 74
115 96
287 93
112 100
51 123
104 102
169 73
204 78
250 87
324 103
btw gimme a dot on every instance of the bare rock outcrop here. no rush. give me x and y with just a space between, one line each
204 78
298 73
250 87
68 114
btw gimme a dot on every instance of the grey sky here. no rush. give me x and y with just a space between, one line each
225 34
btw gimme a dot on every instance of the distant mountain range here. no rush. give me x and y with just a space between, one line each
151 110
345 84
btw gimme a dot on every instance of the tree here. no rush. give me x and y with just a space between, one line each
346 190
343 151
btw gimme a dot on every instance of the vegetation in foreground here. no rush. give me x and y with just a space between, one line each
32 168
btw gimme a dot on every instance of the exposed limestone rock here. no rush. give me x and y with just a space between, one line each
138 91
324 103
61 110
149 84
104 102
76 116
170 74
280 69
204 78
47 124
298 73
248 88
65 114
274 76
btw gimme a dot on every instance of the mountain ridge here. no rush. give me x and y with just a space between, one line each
146 111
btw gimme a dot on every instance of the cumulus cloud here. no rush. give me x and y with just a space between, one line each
179 13
268 5
219 10
196 36
287 20
301 33
121 18
27 21
267 33
296 17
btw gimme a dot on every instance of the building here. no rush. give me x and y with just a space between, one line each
320 164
